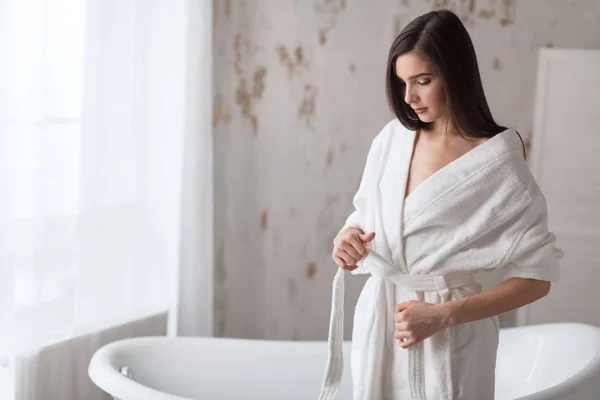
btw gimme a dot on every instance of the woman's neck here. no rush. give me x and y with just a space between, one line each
440 132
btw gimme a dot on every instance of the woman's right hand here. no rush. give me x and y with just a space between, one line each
349 247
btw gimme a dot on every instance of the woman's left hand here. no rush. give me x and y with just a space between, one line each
416 321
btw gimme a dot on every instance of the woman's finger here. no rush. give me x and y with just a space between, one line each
342 264
399 316
349 248
405 339
401 335
401 326
358 246
367 237
406 343
349 260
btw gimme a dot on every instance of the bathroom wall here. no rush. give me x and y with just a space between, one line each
298 96
567 167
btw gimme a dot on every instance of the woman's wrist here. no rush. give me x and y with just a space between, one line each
448 312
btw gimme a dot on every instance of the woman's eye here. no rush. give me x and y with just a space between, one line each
426 82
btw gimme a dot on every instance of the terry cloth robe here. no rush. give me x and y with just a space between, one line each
480 212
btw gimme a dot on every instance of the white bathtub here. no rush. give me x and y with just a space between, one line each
539 362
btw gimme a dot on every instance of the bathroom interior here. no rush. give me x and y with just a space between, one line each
173 174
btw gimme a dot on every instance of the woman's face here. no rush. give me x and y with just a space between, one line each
423 88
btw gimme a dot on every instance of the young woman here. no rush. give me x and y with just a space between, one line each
446 192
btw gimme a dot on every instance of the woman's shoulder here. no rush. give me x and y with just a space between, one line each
391 128
511 138
515 163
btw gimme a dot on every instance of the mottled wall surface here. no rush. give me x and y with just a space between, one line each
299 95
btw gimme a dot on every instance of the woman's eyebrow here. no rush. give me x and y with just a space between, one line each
419 75
416 76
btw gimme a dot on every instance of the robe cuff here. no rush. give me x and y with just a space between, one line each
549 272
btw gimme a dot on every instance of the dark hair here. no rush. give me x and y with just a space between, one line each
441 38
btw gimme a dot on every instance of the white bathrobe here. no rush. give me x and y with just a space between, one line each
480 212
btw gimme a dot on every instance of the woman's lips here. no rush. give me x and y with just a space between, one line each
420 110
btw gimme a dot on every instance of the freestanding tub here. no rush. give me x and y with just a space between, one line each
538 362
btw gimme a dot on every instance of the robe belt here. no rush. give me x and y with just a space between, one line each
380 268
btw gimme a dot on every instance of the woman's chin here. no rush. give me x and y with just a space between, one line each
425 118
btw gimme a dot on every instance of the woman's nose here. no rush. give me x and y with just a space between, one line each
409 95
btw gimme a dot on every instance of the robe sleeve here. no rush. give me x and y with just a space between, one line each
369 176
534 254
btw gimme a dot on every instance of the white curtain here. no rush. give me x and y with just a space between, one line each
105 166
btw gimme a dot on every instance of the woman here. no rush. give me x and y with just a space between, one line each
445 193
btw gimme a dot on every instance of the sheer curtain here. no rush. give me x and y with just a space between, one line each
105 166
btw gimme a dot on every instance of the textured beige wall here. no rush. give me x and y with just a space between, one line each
299 94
